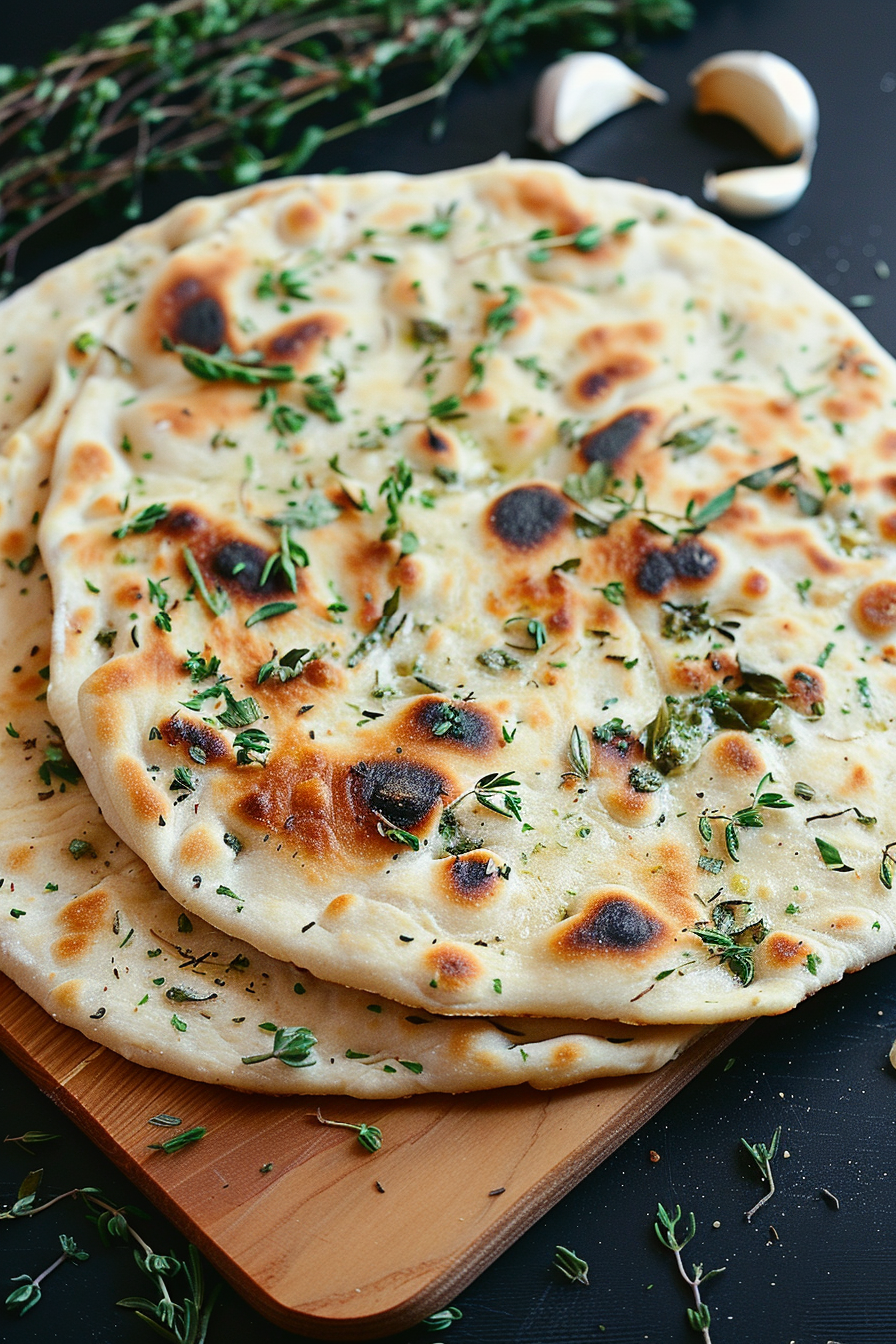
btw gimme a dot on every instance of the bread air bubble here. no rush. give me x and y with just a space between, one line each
776 102
578 93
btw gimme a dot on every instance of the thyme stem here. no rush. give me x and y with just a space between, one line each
694 1285
765 1198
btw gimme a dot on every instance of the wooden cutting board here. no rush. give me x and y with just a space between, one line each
314 1245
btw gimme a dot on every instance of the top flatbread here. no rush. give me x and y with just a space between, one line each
88 933
520 406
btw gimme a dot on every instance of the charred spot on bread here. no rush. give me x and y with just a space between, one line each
402 793
451 723
298 341
193 315
180 521
595 383
178 731
610 442
805 686
689 562
614 922
528 516
451 966
473 878
241 563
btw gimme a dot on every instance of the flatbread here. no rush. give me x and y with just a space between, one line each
504 612
91 936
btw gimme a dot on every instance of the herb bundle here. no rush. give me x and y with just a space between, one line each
220 86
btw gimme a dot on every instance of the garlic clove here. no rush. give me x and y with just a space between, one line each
578 93
764 92
755 193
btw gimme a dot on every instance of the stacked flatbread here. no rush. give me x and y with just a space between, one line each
473 594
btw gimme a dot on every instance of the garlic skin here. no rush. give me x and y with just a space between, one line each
764 92
578 93
756 193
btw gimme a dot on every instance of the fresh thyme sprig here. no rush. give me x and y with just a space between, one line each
744 818
28 1294
30 1136
763 1156
182 1140
225 366
495 791
579 753
369 1136
732 941
191 86
180 1323
379 632
666 1228
394 488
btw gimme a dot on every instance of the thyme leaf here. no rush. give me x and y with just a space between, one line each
369 1136
268 611
686 442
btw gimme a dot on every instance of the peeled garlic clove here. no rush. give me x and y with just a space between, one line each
757 192
764 92
578 93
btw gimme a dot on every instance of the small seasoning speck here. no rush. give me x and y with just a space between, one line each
653 1155
500 1190
717 1223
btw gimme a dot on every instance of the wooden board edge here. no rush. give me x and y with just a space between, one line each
666 1083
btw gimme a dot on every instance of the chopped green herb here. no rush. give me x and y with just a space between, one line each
80 849
183 1140
268 611
144 521
571 1266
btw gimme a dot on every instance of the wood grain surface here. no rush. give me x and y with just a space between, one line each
313 1244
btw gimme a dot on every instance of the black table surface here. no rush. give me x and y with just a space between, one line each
804 1272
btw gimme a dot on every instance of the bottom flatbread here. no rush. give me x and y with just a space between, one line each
87 932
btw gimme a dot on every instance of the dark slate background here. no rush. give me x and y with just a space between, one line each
827 1277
